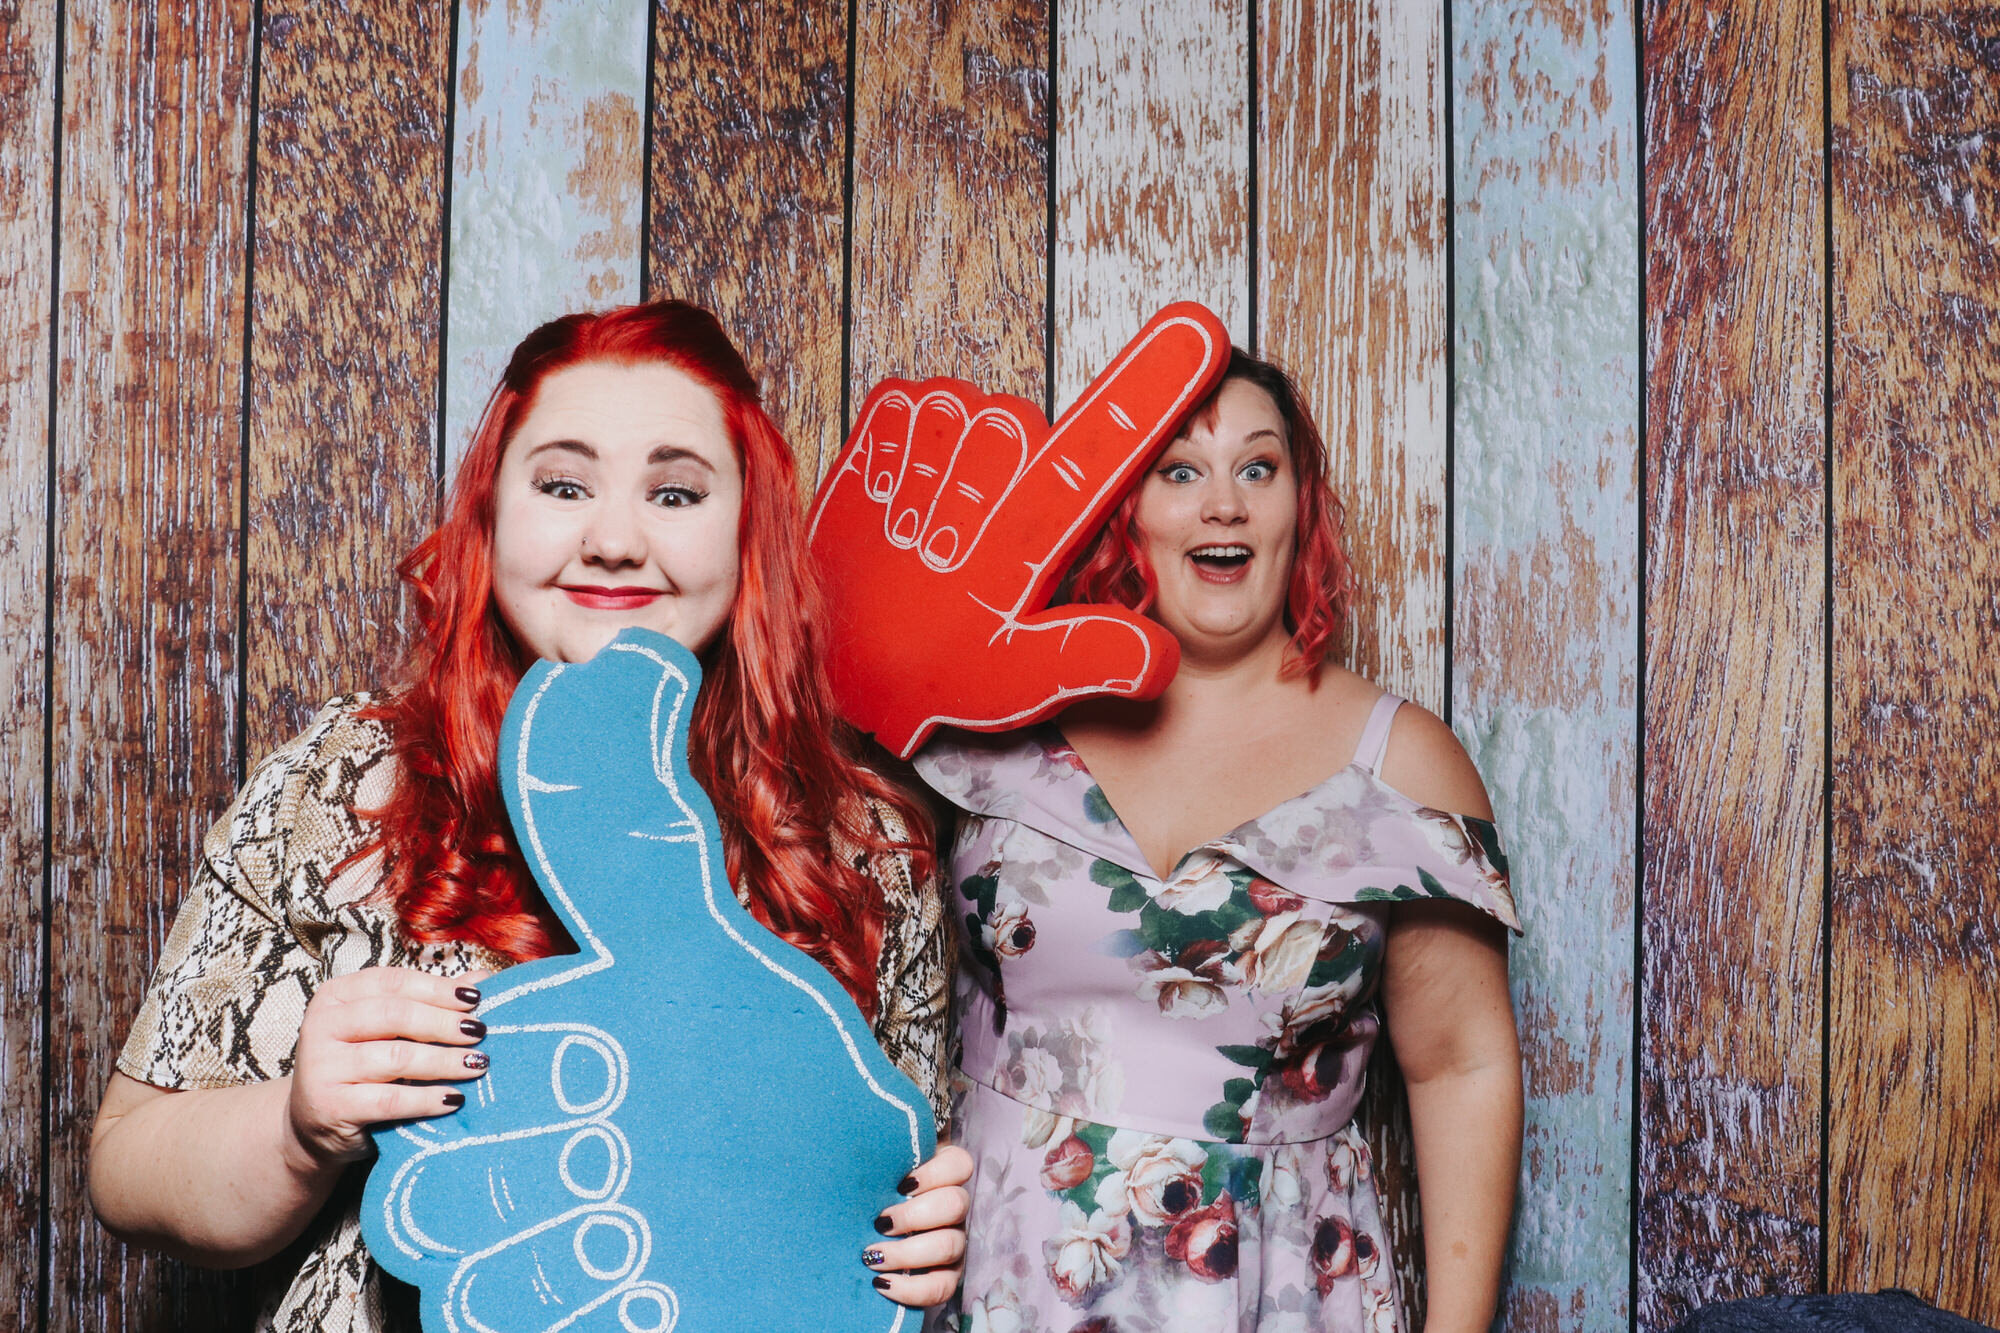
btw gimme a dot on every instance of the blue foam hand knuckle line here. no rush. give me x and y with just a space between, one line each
685 1125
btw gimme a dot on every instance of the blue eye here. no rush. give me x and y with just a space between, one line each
1260 471
1179 473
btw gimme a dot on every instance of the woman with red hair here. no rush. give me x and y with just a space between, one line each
321 974
1185 920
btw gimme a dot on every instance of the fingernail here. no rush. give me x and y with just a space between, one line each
881 1283
472 1027
907 1185
883 1224
475 1060
873 1258
467 994
454 1099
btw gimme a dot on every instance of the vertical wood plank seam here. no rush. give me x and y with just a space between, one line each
44 1249
1049 238
1450 174
243 411
444 258
1254 121
646 147
846 246
1826 643
1639 698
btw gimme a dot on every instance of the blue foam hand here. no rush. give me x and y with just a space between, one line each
687 1123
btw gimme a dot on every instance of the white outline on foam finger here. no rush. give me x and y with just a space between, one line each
595 1114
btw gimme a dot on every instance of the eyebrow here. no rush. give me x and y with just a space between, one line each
662 453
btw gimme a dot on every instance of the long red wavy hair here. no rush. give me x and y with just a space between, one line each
1320 594
779 765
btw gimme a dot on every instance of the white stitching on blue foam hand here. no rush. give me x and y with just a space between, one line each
688 1120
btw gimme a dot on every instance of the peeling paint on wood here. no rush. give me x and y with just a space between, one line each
546 180
950 212
1729 1087
149 370
1351 283
28 76
748 215
343 349
1914 1138
1152 172
1545 597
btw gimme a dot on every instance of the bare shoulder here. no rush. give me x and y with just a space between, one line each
1426 763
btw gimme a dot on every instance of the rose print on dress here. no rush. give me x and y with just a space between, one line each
1205 1240
1086 1253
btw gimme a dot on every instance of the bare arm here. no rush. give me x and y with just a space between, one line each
1444 987
1451 1022
225 1177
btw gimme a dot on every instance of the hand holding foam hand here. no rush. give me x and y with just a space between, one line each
688 1122
951 516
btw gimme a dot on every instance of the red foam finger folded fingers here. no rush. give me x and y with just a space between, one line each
941 535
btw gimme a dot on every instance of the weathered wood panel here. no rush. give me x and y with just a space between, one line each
1914 1140
1545 596
1351 295
148 450
1729 1083
1152 172
549 131
748 210
344 344
28 80
951 195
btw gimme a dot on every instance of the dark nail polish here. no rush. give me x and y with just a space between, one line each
454 1099
467 994
475 1060
907 1185
883 1224
472 1027
873 1258
881 1283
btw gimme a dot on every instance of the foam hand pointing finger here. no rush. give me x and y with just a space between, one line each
950 517
688 1117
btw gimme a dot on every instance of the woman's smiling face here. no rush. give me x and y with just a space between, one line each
1218 516
617 505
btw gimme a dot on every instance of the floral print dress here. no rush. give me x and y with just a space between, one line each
1160 1076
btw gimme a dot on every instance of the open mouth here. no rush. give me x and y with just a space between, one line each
1221 564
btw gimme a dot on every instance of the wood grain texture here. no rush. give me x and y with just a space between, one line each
1152 172
749 216
1545 596
149 343
343 353
1351 220
548 163
950 208
1914 1139
28 76
1734 716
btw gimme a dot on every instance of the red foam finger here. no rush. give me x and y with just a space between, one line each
1098 447
938 421
989 461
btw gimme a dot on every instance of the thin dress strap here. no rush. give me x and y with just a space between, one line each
1375 736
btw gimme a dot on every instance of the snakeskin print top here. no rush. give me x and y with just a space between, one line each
268 918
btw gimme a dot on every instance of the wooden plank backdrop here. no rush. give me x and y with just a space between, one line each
344 318
281 298
1350 281
29 77
143 655
1914 1135
1545 594
546 191
748 207
1729 1108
